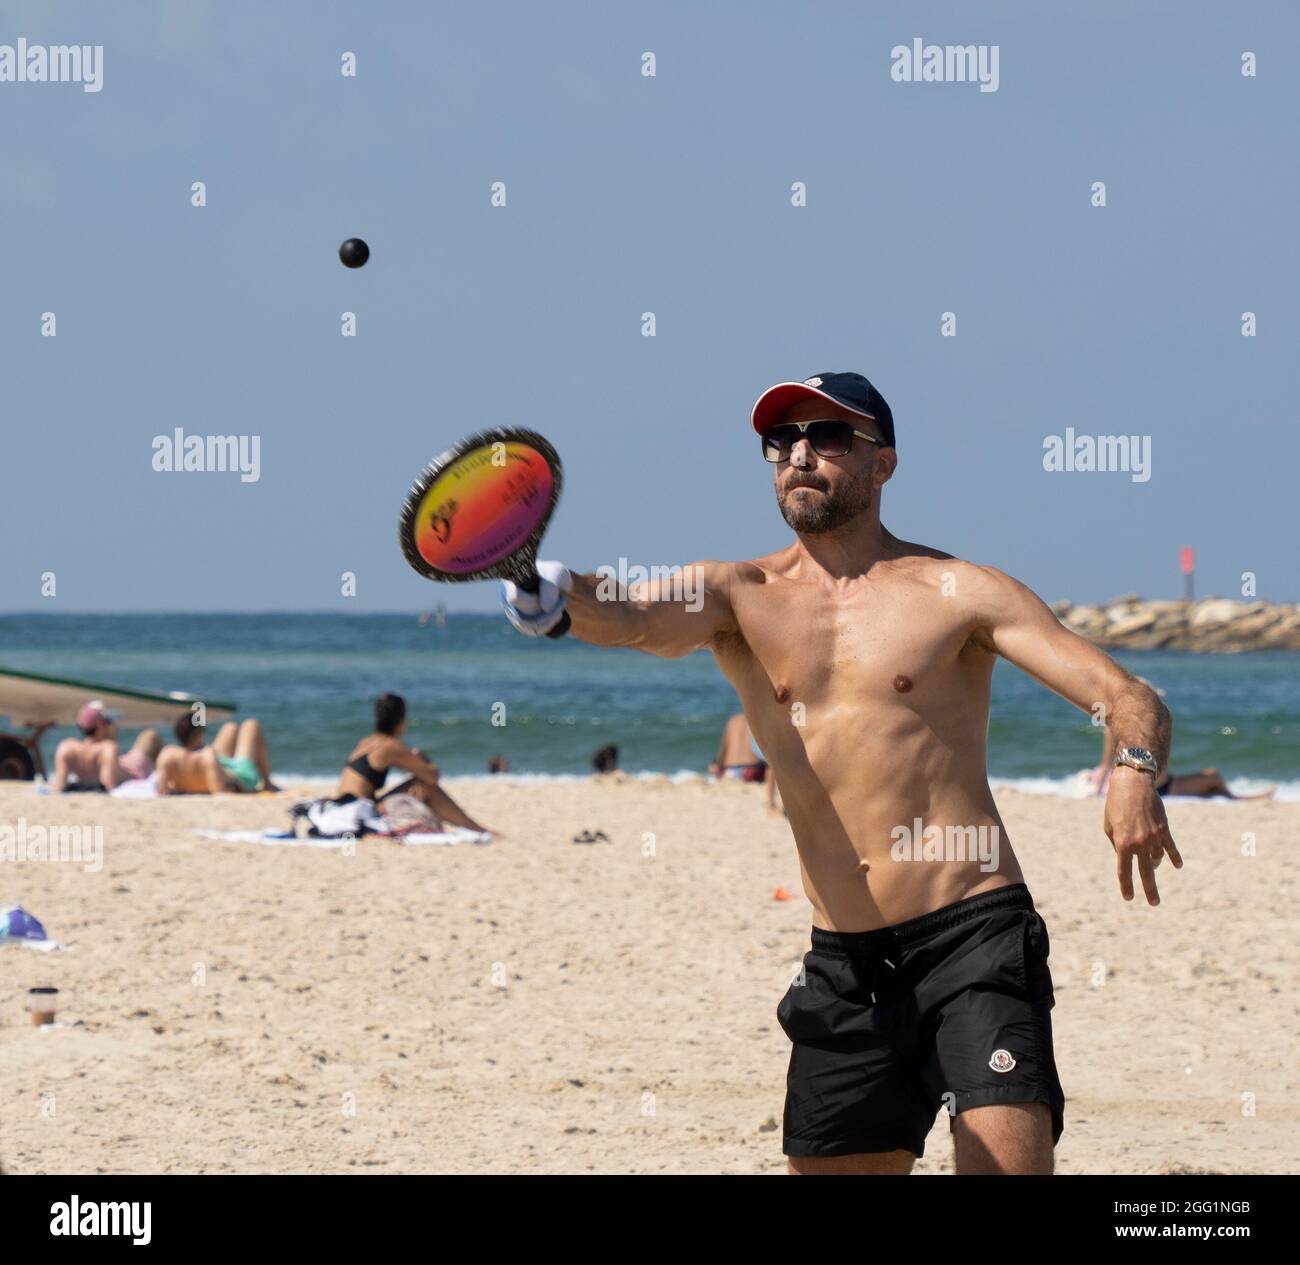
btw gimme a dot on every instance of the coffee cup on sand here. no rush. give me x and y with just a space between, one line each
43 1003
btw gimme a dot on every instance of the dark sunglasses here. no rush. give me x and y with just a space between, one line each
828 439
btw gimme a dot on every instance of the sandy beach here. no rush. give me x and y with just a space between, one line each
539 1006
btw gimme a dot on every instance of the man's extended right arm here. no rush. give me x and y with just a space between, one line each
668 616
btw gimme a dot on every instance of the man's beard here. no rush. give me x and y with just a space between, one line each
831 509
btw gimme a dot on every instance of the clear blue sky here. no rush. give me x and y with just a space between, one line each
628 195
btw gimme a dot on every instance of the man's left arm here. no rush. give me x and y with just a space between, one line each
1014 622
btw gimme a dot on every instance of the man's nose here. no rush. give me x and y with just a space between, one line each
801 453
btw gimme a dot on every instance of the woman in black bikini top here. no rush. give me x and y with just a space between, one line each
376 777
368 766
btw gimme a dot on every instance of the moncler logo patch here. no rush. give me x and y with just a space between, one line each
812 382
1002 1061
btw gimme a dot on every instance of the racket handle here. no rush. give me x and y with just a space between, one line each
530 584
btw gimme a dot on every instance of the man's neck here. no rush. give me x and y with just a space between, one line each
850 551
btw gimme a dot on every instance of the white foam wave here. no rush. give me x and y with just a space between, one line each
314 781
1075 786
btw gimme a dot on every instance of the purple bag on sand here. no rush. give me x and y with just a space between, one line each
17 924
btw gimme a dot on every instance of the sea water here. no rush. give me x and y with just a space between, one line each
312 679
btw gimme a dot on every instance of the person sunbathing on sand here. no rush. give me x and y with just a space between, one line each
366 771
1206 784
94 760
863 663
237 761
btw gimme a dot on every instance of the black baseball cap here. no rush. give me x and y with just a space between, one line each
851 390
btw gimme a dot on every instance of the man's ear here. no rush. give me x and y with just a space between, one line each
886 464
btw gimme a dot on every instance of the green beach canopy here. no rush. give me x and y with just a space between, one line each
27 698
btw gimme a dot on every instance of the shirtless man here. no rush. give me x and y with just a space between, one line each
94 759
863 663
237 761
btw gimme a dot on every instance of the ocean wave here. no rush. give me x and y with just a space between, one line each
1076 786
1073 786
315 781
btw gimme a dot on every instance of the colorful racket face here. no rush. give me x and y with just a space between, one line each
478 511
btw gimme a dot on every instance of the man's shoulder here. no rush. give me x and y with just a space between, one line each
977 589
915 552
756 570
935 568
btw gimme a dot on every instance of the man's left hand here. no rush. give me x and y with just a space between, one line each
1136 825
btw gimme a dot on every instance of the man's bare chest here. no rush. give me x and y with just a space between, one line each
877 642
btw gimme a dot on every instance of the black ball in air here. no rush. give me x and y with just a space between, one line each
354 253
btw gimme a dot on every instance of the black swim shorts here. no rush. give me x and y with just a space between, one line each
951 1010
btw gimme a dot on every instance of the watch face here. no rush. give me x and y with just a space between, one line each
1138 758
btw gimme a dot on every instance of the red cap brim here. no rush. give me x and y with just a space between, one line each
771 406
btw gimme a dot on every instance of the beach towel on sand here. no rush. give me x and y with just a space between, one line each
284 839
404 819
440 838
137 788
330 823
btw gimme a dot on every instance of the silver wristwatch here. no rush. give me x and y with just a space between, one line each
1137 758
